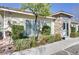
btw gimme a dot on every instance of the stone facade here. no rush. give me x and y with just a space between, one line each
62 24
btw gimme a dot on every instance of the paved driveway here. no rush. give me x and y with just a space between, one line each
73 49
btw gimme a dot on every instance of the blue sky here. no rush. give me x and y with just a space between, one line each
72 8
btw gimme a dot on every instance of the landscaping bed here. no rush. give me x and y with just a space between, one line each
21 44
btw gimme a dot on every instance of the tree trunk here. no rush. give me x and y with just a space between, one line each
37 34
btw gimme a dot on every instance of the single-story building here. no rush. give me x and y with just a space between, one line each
59 22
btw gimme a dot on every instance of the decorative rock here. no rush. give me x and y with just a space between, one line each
6 46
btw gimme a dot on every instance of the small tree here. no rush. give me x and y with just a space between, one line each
38 9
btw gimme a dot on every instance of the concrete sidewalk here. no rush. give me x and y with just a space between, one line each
49 48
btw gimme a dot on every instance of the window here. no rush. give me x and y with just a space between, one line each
67 26
1 28
1 35
63 26
34 27
31 28
28 27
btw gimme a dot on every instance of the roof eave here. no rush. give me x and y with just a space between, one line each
20 12
62 13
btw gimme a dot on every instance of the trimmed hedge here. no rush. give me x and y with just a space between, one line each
16 31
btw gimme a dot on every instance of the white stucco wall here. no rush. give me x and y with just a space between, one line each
1 23
20 19
52 27
75 25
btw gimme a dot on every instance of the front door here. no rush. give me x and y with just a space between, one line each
65 29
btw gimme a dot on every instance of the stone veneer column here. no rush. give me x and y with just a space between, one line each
58 25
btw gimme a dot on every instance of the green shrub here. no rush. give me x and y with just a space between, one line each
45 39
73 29
22 44
57 37
50 39
78 34
33 42
16 30
73 34
46 30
